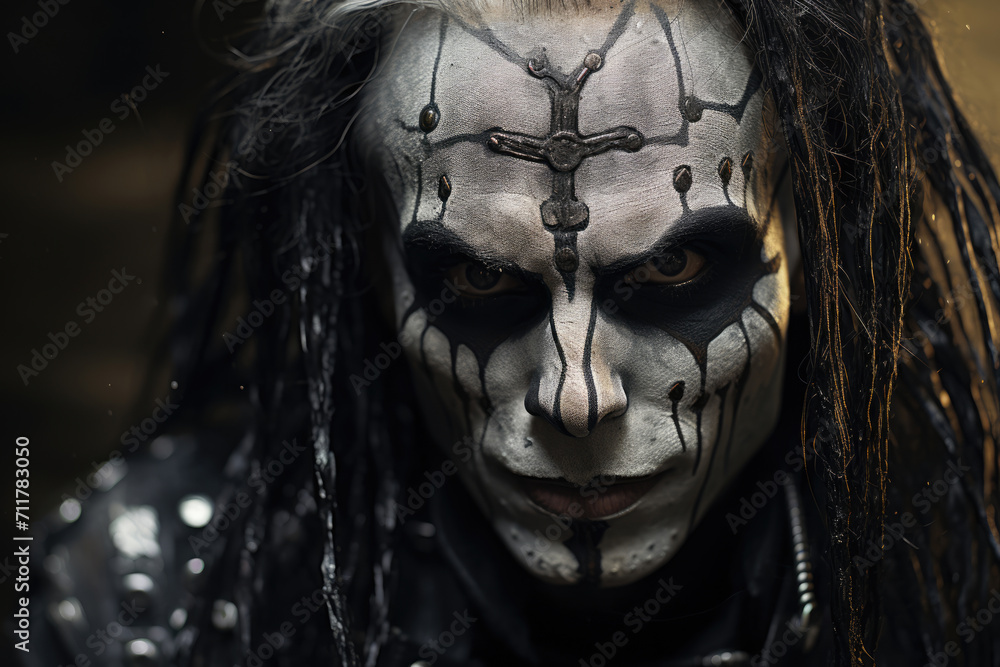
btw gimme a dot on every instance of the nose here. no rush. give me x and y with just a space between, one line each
576 388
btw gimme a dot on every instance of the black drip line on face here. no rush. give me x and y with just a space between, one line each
564 215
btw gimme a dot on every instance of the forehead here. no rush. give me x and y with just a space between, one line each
610 126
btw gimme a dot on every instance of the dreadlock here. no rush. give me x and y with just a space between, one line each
897 216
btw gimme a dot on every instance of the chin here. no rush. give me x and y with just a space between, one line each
611 532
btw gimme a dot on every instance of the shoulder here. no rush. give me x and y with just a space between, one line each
114 570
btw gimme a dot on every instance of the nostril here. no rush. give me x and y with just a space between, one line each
577 413
533 405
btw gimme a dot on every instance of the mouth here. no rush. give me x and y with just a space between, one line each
598 499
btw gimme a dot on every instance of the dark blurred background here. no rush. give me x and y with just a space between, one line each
60 241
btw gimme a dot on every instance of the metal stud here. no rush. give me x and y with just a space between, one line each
224 615
567 260
444 188
682 179
195 511
141 652
726 170
70 510
193 568
162 447
726 658
54 563
110 474
178 617
429 118
633 142
421 535
69 610
693 109
135 531
593 61
139 586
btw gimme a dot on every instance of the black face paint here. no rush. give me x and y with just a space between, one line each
584 544
676 394
694 313
444 188
697 311
480 323
565 148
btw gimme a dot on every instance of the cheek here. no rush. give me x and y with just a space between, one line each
449 384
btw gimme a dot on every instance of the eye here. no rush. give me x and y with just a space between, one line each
475 279
673 267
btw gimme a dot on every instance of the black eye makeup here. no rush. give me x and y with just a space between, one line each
475 301
477 280
695 283
675 266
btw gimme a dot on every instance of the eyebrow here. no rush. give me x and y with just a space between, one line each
431 237
729 222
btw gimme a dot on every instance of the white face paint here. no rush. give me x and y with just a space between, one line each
598 192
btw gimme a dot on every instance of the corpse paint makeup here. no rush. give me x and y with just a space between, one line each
599 189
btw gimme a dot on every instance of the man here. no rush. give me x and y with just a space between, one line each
526 280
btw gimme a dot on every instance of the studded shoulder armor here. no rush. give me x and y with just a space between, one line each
115 572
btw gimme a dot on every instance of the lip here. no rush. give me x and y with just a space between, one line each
593 501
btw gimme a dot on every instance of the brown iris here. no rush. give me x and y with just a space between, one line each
673 267
478 280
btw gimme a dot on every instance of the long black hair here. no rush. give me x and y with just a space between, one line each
898 221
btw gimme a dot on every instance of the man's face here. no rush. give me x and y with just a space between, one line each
584 229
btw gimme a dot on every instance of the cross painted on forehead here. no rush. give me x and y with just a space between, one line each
564 149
